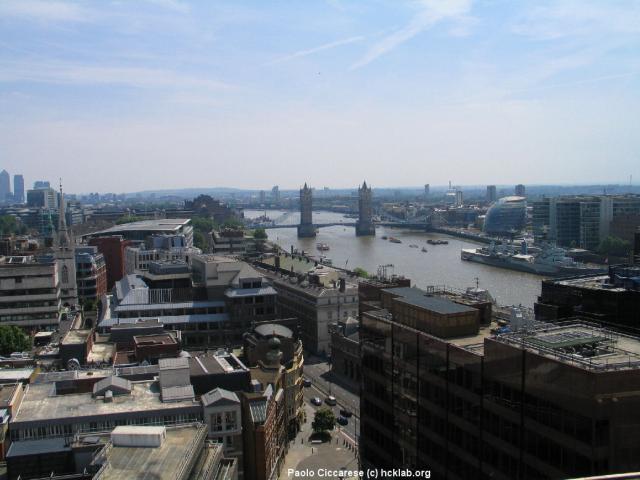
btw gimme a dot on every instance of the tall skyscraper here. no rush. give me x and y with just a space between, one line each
306 228
520 190
364 225
38 184
492 193
426 190
18 189
5 186
275 194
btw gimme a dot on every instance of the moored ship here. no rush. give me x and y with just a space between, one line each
549 261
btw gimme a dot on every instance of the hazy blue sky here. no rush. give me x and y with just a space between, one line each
132 95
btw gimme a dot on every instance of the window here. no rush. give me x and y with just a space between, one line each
230 420
216 422
64 274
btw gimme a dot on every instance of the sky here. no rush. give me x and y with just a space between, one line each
122 96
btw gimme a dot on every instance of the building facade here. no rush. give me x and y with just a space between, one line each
5 187
306 228
259 346
364 225
507 216
316 303
18 189
584 221
492 194
611 299
29 293
530 403
91 273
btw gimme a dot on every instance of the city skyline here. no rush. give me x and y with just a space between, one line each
193 94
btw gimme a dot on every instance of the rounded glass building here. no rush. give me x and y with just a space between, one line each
506 216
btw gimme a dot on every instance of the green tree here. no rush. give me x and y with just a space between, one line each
260 234
202 224
324 420
9 225
361 272
13 339
199 240
128 219
614 246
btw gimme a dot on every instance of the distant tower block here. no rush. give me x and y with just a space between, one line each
306 228
520 190
492 193
426 190
364 225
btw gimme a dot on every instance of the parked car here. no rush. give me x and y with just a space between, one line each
306 382
316 401
345 413
331 401
342 420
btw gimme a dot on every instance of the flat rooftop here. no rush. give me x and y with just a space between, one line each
40 404
166 462
215 364
160 225
160 339
592 282
588 346
6 394
420 298
74 337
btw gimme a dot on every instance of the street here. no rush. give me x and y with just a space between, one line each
322 385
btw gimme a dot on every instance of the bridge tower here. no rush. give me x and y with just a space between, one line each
306 228
364 225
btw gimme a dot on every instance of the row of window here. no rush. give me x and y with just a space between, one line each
66 430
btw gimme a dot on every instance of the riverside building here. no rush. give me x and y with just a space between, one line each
442 392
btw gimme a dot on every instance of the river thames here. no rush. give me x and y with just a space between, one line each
440 265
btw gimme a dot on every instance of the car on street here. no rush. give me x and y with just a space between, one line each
306 382
345 413
316 401
342 420
331 401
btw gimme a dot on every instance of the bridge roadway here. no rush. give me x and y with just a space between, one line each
422 226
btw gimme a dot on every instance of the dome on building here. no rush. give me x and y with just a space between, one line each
506 216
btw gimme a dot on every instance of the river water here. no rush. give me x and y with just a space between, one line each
440 265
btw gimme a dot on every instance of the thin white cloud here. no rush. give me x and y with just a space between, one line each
46 11
578 18
431 12
78 74
311 51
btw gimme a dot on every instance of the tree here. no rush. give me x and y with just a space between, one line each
614 246
361 272
9 225
260 234
324 420
128 219
199 240
13 339
232 223
202 224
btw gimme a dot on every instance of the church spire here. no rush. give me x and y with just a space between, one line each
63 234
